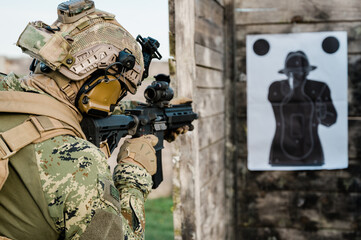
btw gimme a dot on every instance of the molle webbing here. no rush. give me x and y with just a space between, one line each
54 119
38 104
35 129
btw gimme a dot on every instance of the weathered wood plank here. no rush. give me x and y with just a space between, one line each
171 12
295 234
354 143
212 162
241 98
354 85
230 78
209 78
212 196
308 211
211 129
187 211
210 25
342 181
209 35
353 31
209 102
241 142
211 11
221 2
207 57
285 11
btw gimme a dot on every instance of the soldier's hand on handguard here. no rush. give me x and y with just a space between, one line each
171 136
140 152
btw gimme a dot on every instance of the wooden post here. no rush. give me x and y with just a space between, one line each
203 182
187 209
230 76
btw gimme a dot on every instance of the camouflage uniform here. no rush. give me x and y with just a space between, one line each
76 182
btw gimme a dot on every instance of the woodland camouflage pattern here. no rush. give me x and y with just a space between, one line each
74 175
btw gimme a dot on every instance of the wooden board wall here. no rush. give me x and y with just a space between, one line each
300 205
202 207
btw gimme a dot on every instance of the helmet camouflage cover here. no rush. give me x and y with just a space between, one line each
82 41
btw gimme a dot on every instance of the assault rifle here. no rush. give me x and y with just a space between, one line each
154 117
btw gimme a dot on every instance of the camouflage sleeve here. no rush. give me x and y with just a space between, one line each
76 183
10 82
134 184
14 82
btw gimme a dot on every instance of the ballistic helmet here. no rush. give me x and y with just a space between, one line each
86 43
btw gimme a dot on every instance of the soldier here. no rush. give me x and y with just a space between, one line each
55 184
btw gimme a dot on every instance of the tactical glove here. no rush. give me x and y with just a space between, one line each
170 136
140 151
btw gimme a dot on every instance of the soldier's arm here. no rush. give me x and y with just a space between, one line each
134 184
80 193
132 177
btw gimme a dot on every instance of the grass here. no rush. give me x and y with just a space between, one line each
159 219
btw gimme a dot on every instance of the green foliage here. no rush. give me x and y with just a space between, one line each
159 219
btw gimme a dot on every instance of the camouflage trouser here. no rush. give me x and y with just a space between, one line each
77 182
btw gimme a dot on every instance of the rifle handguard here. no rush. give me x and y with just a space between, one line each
141 151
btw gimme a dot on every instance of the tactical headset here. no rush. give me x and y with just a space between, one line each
103 90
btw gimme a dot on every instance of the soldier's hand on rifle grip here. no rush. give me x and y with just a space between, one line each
171 136
140 152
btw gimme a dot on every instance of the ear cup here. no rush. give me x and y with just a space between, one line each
97 95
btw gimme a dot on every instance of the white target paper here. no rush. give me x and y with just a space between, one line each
297 101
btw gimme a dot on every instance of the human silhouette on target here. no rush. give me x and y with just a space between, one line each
299 106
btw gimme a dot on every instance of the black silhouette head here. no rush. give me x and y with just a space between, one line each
297 62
